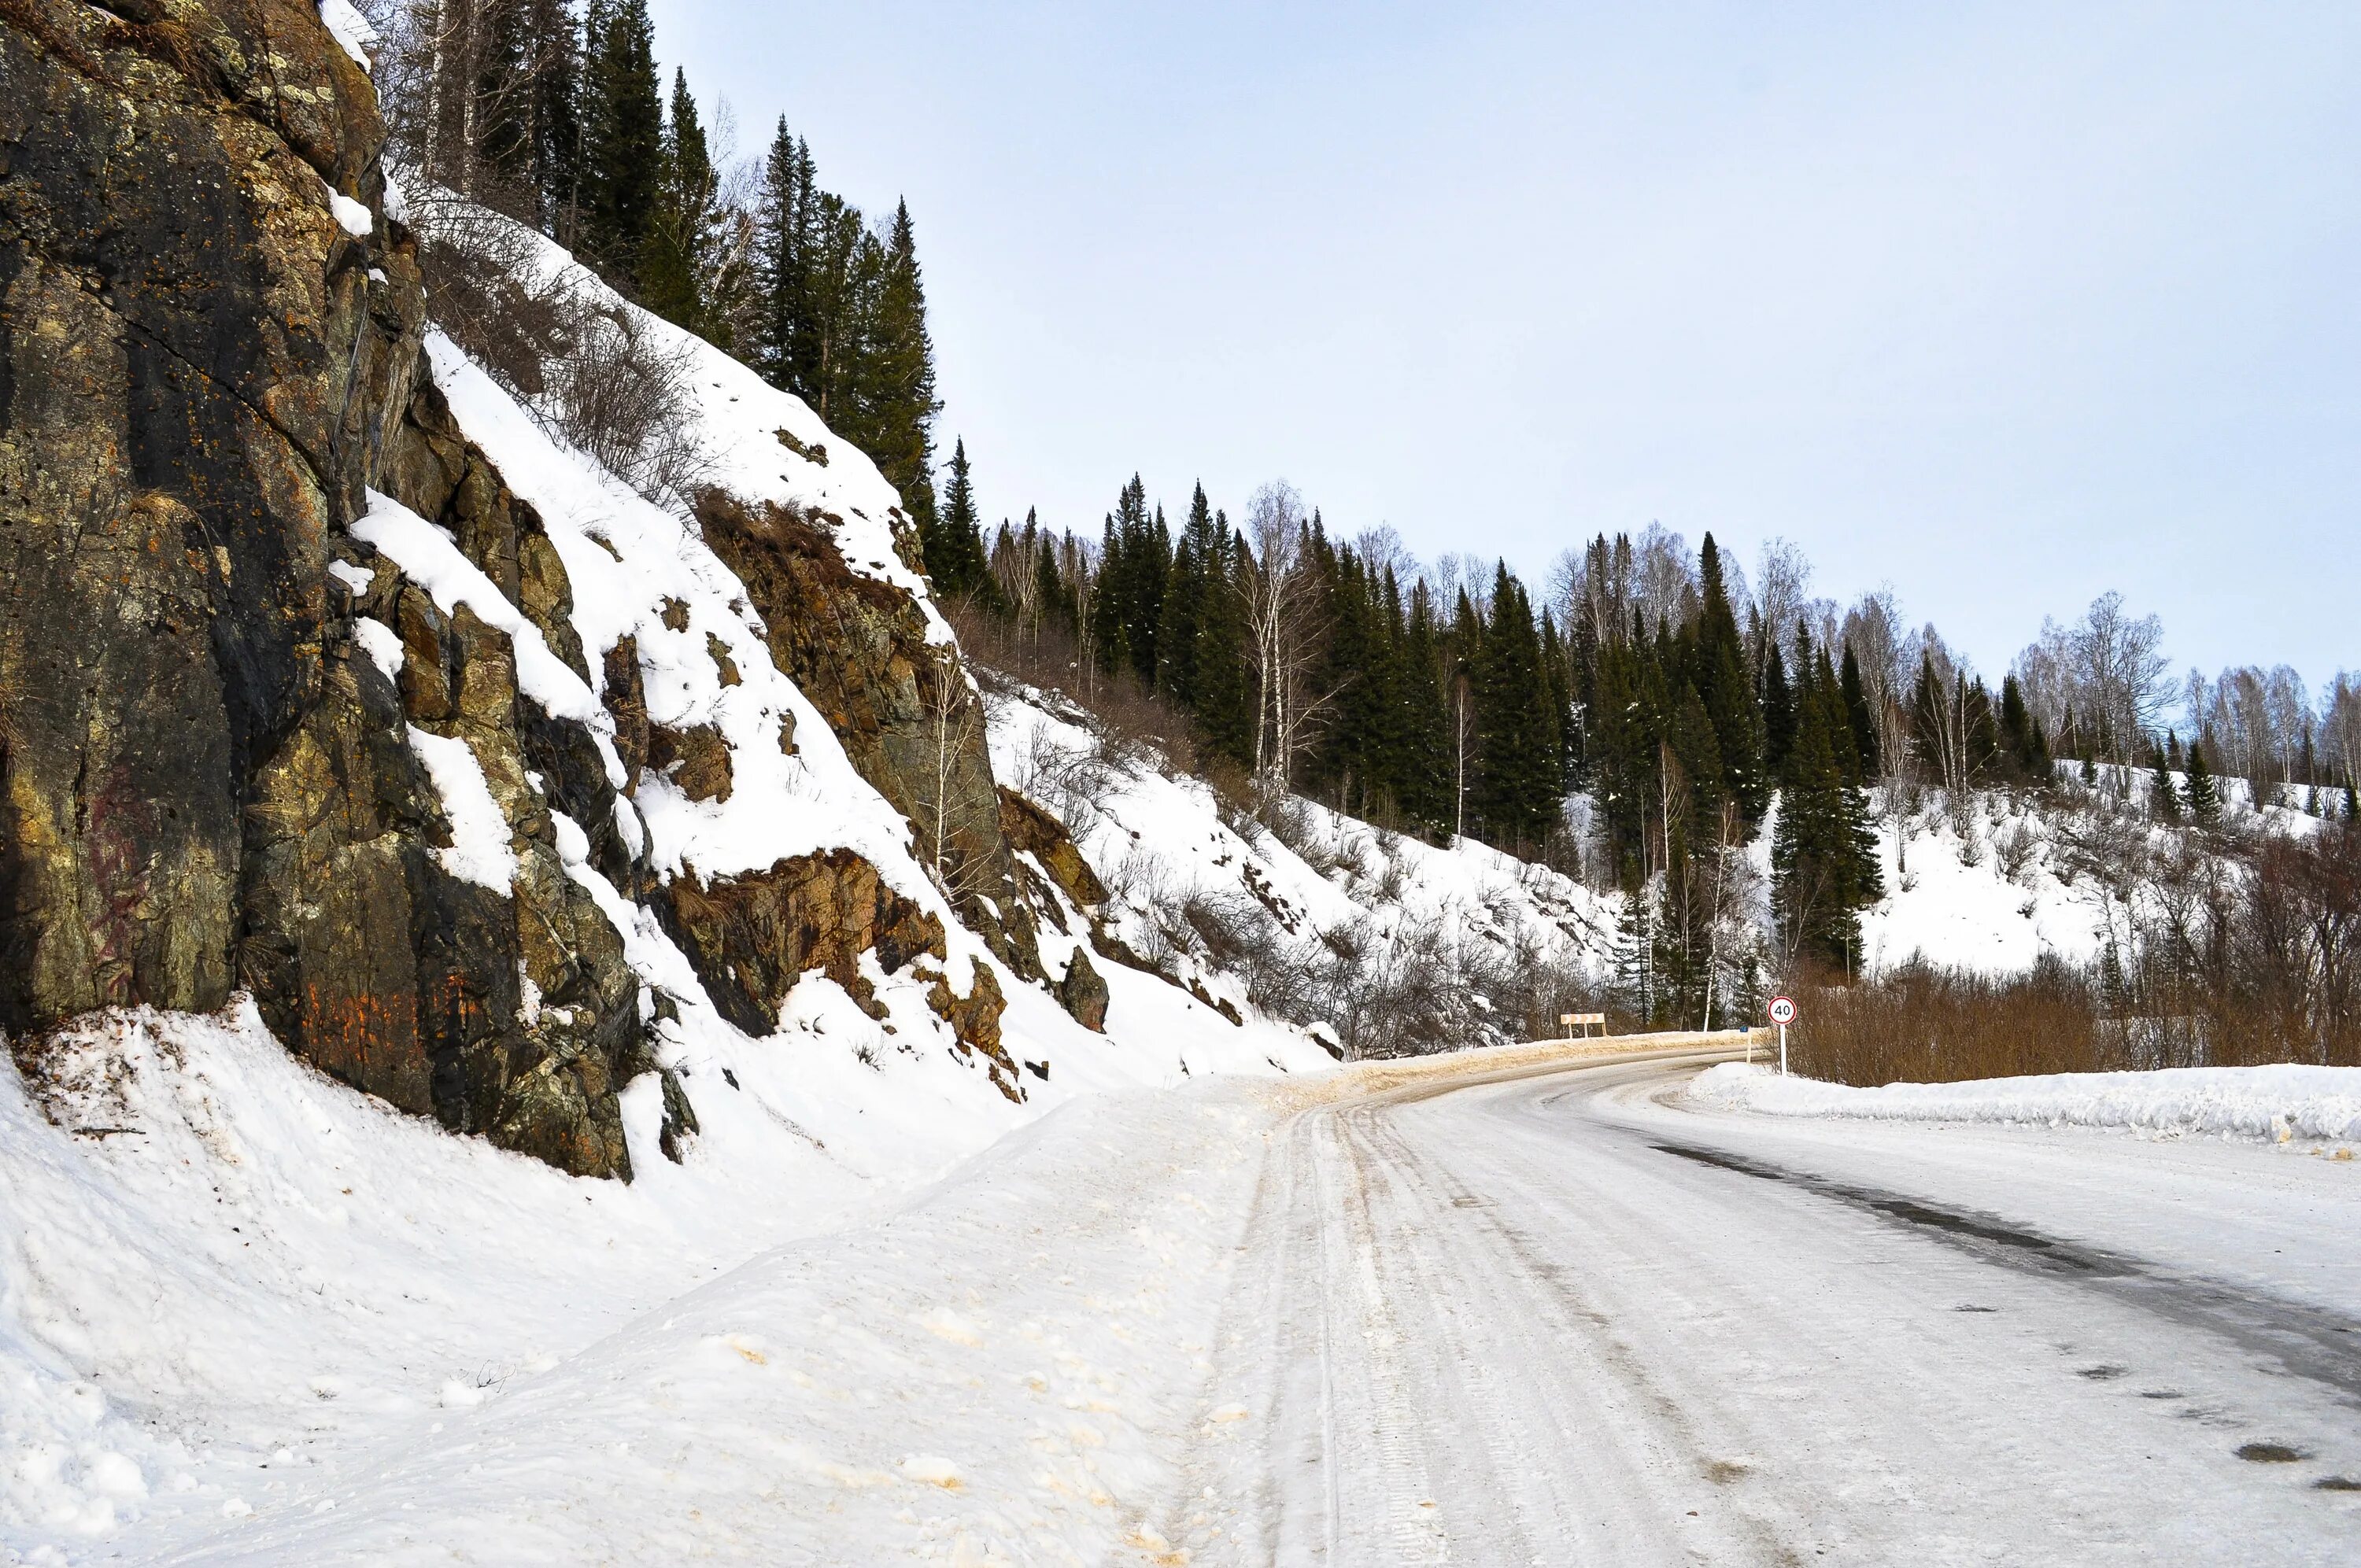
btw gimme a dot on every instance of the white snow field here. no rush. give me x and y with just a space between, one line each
1515 1306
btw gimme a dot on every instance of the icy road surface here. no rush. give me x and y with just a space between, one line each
1556 1317
1492 1309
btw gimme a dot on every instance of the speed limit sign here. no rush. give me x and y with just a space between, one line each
1783 1013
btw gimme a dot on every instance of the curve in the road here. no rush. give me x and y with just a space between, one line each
1543 1317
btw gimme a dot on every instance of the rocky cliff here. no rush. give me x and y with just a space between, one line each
250 743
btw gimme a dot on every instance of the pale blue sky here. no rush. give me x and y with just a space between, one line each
2005 306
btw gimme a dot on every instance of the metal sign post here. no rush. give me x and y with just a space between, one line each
1783 1013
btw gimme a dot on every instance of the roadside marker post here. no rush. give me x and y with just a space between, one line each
1783 1013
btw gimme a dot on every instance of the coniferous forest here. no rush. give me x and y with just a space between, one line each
1638 719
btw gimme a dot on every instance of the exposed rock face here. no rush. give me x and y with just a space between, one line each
909 719
192 364
1031 830
205 783
753 937
215 702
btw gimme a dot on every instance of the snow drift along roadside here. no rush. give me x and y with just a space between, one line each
2281 1103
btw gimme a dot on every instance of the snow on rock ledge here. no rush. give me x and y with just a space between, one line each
2279 1103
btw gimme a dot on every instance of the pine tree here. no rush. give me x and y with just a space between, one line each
1778 712
1726 692
1224 700
2163 796
676 254
2204 799
555 39
623 135
1860 723
897 377
952 544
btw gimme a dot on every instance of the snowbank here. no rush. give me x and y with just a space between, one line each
249 1315
2319 1104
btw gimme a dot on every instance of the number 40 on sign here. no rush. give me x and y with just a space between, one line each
1783 1013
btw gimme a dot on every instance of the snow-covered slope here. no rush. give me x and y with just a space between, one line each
1394 943
1993 888
1986 896
216 1262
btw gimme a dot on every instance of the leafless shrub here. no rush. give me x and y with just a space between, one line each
1294 822
622 396
2016 845
1924 1025
589 368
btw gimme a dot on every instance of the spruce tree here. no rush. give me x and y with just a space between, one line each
2163 796
1184 601
2204 798
674 255
1696 748
1726 692
1778 712
1824 855
556 40
896 379
1110 625
622 152
786 241
952 543
1516 795
1860 722
1224 699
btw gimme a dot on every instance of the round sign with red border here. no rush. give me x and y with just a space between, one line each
1782 1010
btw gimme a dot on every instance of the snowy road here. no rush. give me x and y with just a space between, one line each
1553 1319
1495 1308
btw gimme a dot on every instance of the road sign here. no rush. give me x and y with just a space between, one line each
1783 1013
1585 1020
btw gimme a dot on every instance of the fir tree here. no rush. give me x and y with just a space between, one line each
1726 692
1860 723
1778 712
2163 796
2204 799
623 135
677 254
1224 698
895 376
952 544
